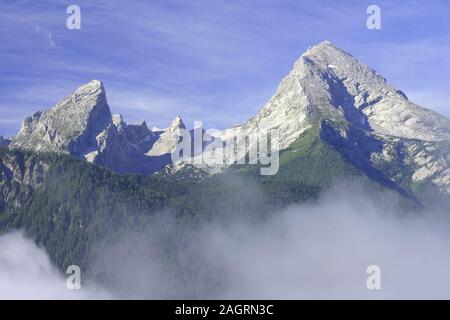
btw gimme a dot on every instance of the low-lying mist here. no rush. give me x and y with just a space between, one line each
26 273
315 250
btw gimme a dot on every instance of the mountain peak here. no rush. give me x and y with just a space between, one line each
177 123
93 85
326 55
325 47
329 83
92 88
177 119
322 45
71 126
143 124
168 139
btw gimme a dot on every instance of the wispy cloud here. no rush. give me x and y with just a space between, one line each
47 36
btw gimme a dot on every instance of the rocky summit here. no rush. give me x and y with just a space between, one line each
71 126
82 125
328 83
373 125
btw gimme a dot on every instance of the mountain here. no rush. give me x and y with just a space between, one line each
328 83
168 138
72 126
82 125
328 94
68 178
356 112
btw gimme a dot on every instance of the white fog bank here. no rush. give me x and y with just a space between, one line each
319 250
26 273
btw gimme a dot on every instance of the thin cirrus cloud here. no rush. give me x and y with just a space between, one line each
216 61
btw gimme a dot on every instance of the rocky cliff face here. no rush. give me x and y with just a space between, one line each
168 138
71 126
19 177
328 83
371 123
82 125
408 144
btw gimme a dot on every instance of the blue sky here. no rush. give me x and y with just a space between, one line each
217 61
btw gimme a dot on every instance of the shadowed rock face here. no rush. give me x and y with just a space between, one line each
18 178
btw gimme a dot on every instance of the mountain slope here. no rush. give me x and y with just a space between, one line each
71 126
72 208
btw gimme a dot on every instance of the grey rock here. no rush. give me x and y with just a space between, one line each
71 126
82 125
19 178
168 138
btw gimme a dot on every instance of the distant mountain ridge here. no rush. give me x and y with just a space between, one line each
348 105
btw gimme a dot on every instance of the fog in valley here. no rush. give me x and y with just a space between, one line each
320 249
